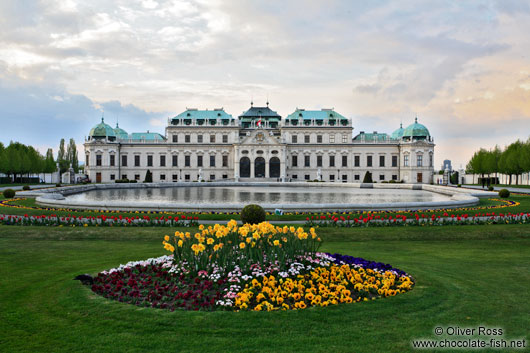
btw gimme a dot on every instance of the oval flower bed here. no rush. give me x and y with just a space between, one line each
251 267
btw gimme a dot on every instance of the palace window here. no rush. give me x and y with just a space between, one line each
307 161
124 162
162 161
212 160
344 138
124 176
294 139
394 177
187 177
175 138
136 161
112 160
319 161
225 138
225 161
187 162
306 139
357 161
331 161
430 160
175 177
162 177
87 158
212 138
98 160
319 138
199 138
357 177
199 161
112 177
331 138
344 161
187 138
420 160
381 177
394 161
306 177
136 177
149 161
332 177
368 161
295 161
175 160
344 178
212 176
406 160
381 161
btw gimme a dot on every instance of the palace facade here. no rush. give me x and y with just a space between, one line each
259 145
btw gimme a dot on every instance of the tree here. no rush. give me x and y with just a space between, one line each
477 164
148 177
64 164
368 178
71 155
49 163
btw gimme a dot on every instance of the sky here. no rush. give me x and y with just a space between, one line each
461 67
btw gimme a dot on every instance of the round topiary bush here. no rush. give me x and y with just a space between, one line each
58 185
9 193
490 188
252 214
504 193
25 187
459 185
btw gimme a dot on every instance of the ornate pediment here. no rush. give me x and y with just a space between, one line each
260 137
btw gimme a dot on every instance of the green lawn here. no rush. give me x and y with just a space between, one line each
520 186
466 276
30 202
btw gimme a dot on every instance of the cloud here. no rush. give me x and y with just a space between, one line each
458 65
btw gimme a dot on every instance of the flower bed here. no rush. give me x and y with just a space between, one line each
101 220
258 267
417 220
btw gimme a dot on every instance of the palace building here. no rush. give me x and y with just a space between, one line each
258 145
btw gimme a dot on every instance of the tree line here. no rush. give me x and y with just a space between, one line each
17 159
514 159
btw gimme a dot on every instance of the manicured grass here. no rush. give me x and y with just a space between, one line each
30 202
466 276
520 186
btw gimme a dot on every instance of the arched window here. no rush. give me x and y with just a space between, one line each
259 167
244 167
274 167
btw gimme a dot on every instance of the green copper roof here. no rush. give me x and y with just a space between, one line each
416 130
102 130
371 137
398 133
147 136
315 115
120 133
203 114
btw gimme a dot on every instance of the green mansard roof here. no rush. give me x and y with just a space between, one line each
203 114
371 137
315 115
147 136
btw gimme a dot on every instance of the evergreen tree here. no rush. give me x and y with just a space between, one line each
148 177
368 178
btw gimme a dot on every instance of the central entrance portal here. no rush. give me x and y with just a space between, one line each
259 167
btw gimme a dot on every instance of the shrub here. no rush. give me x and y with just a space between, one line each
368 178
490 188
25 187
503 193
459 185
252 214
148 177
58 185
9 193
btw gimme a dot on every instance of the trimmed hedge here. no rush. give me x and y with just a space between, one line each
9 193
253 214
504 193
